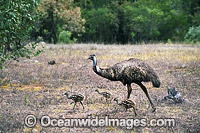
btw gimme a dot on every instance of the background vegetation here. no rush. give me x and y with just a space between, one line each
119 21
97 21
17 21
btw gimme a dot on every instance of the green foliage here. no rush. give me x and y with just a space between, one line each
116 21
110 21
101 24
132 35
152 20
25 99
58 15
64 37
169 41
196 17
17 19
193 35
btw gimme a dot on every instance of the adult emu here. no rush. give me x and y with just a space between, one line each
129 71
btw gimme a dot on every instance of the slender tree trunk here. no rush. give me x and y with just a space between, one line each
121 37
5 50
4 54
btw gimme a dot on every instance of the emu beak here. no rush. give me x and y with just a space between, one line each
89 58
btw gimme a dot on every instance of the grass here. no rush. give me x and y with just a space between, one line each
34 87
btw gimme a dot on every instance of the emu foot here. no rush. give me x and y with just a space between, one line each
135 114
153 110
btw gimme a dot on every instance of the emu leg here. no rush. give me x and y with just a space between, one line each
145 91
129 90
134 111
82 104
106 100
74 105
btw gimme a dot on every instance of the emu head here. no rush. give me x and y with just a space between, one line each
115 99
66 94
92 57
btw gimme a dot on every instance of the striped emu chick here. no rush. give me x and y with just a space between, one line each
128 72
127 104
105 94
76 98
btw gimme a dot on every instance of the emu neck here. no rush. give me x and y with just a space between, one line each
67 96
117 102
94 61
99 92
101 72
96 69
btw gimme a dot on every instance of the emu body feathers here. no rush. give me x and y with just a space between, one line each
129 71
127 104
76 98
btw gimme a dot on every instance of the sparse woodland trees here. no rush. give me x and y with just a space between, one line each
58 15
135 21
22 21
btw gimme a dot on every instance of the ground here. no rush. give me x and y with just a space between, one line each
32 86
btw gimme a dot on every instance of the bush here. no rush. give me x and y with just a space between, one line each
17 20
193 35
64 37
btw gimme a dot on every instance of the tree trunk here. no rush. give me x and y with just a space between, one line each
121 37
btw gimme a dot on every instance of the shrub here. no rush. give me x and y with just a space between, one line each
193 35
64 37
17 20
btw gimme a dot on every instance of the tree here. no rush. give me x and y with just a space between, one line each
102 24
153 21
59 14
17 19
124 21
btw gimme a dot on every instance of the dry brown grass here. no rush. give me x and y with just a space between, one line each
34 87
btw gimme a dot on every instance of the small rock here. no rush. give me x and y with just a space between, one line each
52 62
183 66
